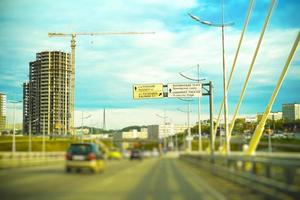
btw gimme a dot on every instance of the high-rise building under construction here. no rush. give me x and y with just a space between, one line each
46 97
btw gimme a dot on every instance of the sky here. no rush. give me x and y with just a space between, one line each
108 66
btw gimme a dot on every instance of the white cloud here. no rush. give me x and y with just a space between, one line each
120 118
145 75
175 4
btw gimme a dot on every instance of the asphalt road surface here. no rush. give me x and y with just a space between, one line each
150 179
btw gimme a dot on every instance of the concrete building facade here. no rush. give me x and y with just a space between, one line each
46 97
272 116
2 112
157 132
291 111
134 134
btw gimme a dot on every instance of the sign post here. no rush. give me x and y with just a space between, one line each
184 90
148 91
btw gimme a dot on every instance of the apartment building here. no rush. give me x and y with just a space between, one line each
291 111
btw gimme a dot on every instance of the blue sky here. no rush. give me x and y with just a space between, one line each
108 66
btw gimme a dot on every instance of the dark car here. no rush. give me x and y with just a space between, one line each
84 156
136 154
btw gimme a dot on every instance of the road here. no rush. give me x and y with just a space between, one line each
150 179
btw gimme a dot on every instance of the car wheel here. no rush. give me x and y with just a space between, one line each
78 170
68 169
93 170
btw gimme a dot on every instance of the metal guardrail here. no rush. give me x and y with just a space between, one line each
276 177
23 159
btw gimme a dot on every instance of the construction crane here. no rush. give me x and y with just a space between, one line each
73 45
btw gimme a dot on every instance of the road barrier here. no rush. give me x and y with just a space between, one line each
276 177
24 159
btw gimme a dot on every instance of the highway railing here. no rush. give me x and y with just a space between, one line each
276 177
23 159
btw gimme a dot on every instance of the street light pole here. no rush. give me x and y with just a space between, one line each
222 25
173 136
29 134
30 112
82 122
44 134
14 126
189 138
165 127
44 143
250 7
269 141
189 130
14 134
211 108
199 105
224 85
199 115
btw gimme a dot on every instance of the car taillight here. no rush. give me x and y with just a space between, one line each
69 156
91 156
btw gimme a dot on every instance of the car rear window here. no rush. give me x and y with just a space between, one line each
80 149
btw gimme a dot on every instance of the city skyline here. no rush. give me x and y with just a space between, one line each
108 66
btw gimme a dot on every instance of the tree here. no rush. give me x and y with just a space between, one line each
279 124
239 125
204 129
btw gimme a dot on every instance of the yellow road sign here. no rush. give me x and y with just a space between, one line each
148 91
